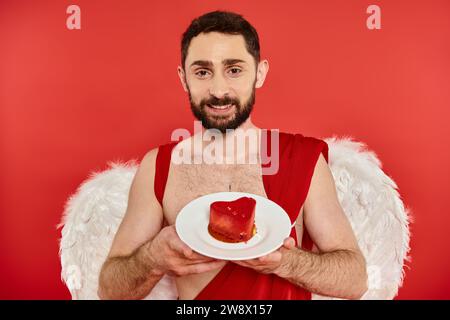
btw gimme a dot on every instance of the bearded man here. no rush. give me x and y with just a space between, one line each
220 70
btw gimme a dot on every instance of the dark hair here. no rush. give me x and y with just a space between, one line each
223 22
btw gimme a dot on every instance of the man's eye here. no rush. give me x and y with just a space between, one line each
202 73
235 71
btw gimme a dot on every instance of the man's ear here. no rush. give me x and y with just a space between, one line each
182 76
261 73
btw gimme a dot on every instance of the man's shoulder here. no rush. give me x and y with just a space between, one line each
152 153
160 150
149 159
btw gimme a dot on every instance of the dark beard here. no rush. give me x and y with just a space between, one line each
242 112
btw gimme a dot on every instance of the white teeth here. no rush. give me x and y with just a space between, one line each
221 107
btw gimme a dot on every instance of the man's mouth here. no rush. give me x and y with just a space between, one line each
220 109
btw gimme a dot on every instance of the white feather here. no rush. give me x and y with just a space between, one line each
368 196
91 218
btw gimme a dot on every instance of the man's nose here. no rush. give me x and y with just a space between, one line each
219 87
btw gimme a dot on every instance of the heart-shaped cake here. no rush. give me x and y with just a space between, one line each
232 221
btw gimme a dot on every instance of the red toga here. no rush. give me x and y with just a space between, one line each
289 188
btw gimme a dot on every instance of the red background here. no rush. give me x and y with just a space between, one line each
71 100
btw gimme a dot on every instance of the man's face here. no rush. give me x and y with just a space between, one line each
220 77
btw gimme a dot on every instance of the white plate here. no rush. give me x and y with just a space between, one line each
272 223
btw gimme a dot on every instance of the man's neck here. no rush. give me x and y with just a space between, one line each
247 131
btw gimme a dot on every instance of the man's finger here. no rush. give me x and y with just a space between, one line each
271 257
242 263
197 256
289 243
199 260
248 263
203 267
180 247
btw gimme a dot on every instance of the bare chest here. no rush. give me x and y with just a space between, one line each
187 182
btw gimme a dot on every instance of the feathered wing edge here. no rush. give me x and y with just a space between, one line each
90 220
376 212
368 196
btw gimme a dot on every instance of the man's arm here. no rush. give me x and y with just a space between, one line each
128 271
141 251
337 267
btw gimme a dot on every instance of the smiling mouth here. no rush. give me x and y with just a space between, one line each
220 108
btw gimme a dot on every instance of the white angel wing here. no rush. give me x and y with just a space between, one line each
367 195
376 213
91 218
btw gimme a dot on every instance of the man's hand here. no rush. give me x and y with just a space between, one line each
274 262
318 273
168 254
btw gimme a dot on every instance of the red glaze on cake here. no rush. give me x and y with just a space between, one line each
232 221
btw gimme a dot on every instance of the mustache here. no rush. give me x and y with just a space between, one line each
220 102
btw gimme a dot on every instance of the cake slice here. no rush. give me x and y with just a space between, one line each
232 221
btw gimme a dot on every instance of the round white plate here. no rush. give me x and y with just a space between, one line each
272 223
